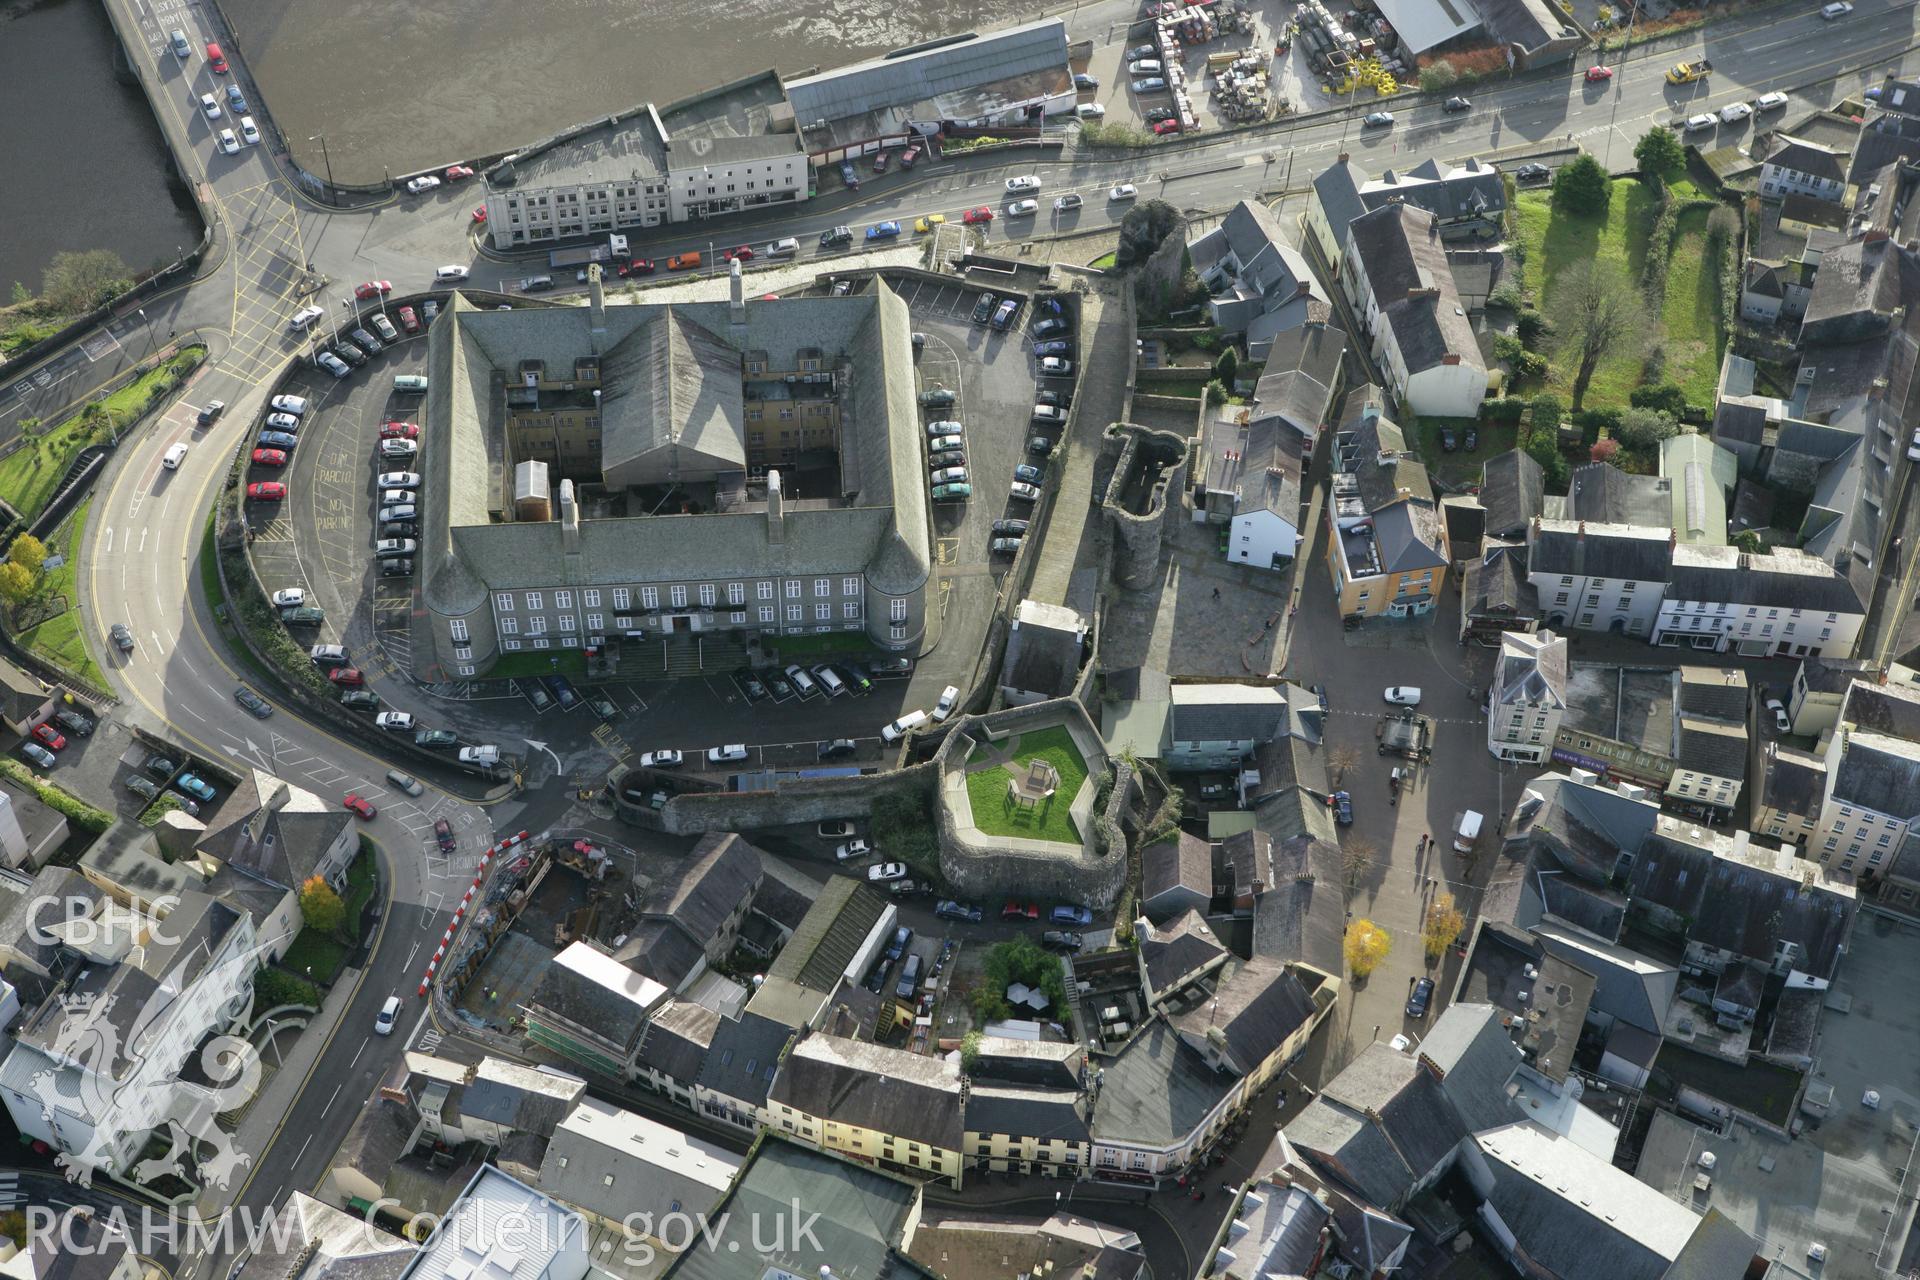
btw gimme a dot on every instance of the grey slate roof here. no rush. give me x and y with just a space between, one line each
1180 861
1255 1006
1878 772
1619 552
614 1163
1513 491
1715 693
1497 584
1808 157
1601 493
1337 189
1048 1115
518 1097
1793 782
1475 1057
660 950
1717 750
1157 1089
1628 986
939 69
1786 578
1532 669
677 1040
1301 376
1178 949
721 871
908 1095
1412 283
1301 918
1405 1099
743 1058
1226 712
1353 1151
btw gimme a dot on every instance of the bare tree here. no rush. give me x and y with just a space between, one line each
1595 314
1356 859
1340 759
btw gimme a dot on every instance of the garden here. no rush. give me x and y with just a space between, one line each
41 612
992 767
333 921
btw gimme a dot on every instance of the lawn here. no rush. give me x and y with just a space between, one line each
1695 333
58 639
1104 261
28 474
570 662
315 955
987 790
1462 465
362 880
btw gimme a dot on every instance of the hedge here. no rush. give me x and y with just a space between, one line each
1506 409
75 810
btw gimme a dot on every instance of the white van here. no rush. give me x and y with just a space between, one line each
903 726
1467 833
174 456
389 1014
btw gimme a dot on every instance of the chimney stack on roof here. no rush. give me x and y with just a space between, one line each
569 519
776 509
737 289
596 310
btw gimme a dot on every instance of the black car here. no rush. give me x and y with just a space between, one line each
951 910
122 638
778 686
562 692
401 568
253 702
1061 940
1048 327
209 415
1010 526
1456 104
440 739
160 767
749 686
1422 997
1342 805
1472 440
360 700
983 309
894 668
1057 399
601 705
837 749
937 398
1532 173
1448 441
1040 446
836 236
948 458
73 722
533 693
902 939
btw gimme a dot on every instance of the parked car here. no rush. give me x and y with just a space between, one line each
436 739
663 759
1148 84
1778 710
1020 911
1378 119
947 909
1770 101
1060 940
1021 491
193 786
909 978
142 788
1070 914
443 835
852 849
1402 695
938 397
425 182
1028 472
731 753
394 721
50 737
1039 446
1532 173
948 700
1342 805
1420 999
1448 441
73 722
266 491
1055 367
358 804
837 749
883 872
1734 112
347 677
160 767
838 829
38 754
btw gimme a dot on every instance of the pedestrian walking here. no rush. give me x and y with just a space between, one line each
1216 593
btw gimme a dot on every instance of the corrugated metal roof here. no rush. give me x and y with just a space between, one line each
914 77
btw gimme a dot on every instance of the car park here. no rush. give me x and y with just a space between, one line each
1005 313
1159 114
948 909
803 684
275 440
38 754
348 352
1167 126
883 872
1048 326
777 687
306 616
159 766
282 422
1085 82
731 753
1402 695
1448 440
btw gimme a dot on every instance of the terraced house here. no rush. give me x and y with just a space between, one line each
623 479
1389 553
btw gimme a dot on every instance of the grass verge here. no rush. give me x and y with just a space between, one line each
59 639
1695 330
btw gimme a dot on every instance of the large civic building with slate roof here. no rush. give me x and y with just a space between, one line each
602 474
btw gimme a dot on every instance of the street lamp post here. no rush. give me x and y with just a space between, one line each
142 313
321 138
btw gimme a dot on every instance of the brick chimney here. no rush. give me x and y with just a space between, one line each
1418 295
1452 357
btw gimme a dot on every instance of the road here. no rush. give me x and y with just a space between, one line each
272 248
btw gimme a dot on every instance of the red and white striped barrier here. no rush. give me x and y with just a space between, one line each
459 912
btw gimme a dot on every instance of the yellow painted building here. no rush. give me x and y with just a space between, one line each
903 1111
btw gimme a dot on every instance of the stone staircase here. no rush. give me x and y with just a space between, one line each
683 656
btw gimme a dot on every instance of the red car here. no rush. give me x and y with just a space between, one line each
742 254
359 805
1167 126
879 162
347 676
49 735
1020 911
400 431
455 172
409 321
267 491
908 156
1599 73
216 60
270 457
982 214
372 289
637 267
480 213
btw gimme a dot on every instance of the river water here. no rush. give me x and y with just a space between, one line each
85 165
402 85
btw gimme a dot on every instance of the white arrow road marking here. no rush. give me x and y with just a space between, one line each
535 745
